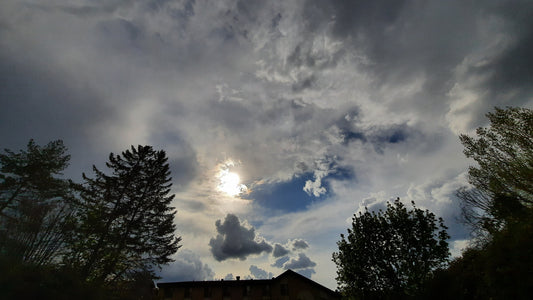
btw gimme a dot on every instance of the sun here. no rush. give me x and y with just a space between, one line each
230 183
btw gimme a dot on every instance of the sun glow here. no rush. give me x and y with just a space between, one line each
230 183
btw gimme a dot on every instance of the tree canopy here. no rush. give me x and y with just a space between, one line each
34 202
499 207
390 253
502 181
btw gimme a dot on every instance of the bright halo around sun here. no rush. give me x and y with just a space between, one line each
230 183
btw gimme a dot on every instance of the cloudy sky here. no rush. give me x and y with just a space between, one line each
281 119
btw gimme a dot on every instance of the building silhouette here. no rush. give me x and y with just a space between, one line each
287 286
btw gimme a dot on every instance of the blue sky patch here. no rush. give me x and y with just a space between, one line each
286 196
289 196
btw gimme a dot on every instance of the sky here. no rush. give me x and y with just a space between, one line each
281 119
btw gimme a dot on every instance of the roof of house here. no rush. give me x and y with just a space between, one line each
243 282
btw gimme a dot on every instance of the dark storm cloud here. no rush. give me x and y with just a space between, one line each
124 34
46 99
97 9
40 101
386 30
238 19
299 245
235 240
405 41
510 73
302 262
349 15
279 251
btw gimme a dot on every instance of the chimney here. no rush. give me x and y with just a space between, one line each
238 278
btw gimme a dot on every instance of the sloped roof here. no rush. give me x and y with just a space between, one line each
288 273
303 278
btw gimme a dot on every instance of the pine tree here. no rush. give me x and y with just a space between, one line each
125 219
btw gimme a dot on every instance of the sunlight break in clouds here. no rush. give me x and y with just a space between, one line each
230 182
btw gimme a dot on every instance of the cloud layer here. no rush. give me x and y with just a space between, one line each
324 106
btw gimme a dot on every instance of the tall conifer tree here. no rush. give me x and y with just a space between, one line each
126 221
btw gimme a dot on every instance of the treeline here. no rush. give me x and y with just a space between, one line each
403 254
99 239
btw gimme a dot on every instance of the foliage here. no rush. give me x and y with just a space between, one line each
499 207
99 240
29 281
390 254
34 203
499 269
502 181
125 221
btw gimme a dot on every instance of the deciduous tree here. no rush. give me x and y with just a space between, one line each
391 253
34 203
502 181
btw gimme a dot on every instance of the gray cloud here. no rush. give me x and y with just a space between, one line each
187 267
236 241
259 273
183 162
375 87
299 245
280 261
302 262
406 41
506 69
279 251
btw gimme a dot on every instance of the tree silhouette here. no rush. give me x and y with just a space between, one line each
391 253
503 180
125 222
34 203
